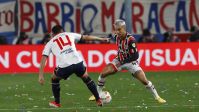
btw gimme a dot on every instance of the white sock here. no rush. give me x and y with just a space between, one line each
151 88
100 84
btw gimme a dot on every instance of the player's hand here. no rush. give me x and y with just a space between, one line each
41 80
107 40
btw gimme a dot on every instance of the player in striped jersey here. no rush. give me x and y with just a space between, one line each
126 59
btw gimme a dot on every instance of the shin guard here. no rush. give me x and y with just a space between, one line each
56 89
91 86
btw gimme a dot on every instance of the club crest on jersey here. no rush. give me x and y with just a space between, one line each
133 44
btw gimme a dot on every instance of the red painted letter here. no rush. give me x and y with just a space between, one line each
107 12
52 15
193 12
137 17
162 15
78 19
25 16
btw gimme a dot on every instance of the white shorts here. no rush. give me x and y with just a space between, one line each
131 67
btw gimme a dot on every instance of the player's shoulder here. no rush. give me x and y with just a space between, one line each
115 35
70 33
130 37
73 34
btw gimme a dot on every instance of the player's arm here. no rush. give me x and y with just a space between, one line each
41 69
91 37
46 52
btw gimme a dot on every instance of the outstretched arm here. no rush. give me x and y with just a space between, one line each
41 69
91 37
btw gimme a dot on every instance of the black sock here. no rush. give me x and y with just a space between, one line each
91 86
56 89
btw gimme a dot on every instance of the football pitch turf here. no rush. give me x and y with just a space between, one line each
22 93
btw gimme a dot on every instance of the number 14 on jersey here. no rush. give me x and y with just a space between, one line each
61 42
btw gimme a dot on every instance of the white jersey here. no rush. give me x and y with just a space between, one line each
63 47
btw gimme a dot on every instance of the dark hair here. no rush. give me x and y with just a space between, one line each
23 35
193 29
3 40
146 32
46 38
57 29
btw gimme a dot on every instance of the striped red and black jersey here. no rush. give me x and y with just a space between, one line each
127 49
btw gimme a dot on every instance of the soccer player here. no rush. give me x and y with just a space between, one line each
62 45
126 58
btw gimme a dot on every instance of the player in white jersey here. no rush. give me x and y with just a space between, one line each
62 45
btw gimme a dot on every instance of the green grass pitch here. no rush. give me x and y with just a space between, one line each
22 93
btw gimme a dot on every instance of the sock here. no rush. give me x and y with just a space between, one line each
100 84
56 89
91 86
151 88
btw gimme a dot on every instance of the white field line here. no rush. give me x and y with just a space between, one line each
105 107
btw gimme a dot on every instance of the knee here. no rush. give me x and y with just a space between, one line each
147 83
108 70
55 81
55 84
103 75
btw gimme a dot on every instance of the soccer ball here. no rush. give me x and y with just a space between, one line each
106 97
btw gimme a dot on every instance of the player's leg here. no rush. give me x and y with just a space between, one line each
55 81
59 73
92 87
80 71
108 70
140 75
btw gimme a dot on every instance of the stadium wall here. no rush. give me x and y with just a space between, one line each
35 17
153 57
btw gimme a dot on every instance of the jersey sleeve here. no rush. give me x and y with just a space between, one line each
132 45
47 49
76 36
